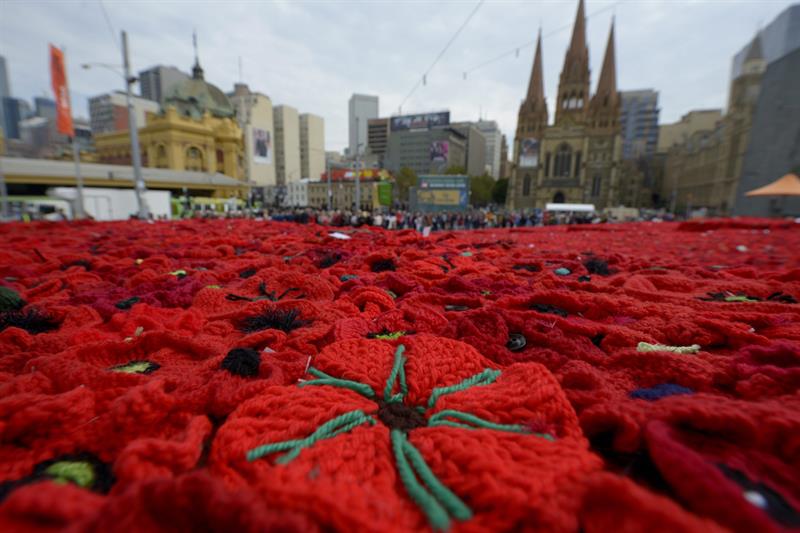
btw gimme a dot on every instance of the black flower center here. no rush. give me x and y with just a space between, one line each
397 415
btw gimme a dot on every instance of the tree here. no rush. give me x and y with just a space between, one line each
499 191
480 189
405 179
456 170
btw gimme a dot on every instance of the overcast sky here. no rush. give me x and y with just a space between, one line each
313 55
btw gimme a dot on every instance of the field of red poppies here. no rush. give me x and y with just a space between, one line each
235 375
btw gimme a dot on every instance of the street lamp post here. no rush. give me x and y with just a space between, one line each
136 156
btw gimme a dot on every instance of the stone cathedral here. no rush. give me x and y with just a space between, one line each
578 158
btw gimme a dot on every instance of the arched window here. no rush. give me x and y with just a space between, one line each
161 157
563 162
558 198
526 185
577 163
194 159
596 186
220 161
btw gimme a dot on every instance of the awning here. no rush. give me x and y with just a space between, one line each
789 185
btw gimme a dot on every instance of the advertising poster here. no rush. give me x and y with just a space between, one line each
529 153
439 150
262 146
420 122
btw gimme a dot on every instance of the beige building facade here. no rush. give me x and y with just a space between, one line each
255 117
312 146
679 132
287 145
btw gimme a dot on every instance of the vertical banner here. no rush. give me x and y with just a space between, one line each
529 153
58 76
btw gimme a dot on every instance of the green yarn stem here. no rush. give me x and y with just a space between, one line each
487 377
398 369
437 501
476 422
79 472
325 379
333 427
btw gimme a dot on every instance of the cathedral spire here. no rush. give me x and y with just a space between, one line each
607 86
573 85
536 83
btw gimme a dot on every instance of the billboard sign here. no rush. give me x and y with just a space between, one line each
441 193
262 146
439 151
423 121
529 153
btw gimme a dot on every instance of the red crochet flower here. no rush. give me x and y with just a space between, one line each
387 439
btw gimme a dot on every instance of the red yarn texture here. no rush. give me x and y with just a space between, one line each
156 356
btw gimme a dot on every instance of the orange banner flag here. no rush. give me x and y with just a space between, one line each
58 76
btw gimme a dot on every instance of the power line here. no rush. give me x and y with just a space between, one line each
423 79
108 23
516 49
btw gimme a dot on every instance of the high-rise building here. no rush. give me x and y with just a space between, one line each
494 141
476 163
14 111
505 165
255 115
427 151
704 170
156 82
45 108
5 92
576 160
109 112
774 147
779 38
639 123
287 145
378 137
312 146
362 108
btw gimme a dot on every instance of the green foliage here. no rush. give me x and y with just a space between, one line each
405 179
456 170
481 190
499 191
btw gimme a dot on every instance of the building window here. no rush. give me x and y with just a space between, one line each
558 198
547 165
563 161
596 186
577 163
220 161
526 185
161 157
194 159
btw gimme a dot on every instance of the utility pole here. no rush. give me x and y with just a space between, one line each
139 186
76 155
358 178
4 213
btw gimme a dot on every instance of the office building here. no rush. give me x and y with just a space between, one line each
427 151
639 123
109 112
255 116
362 108
5 92
312 146
157 82
774 147
475 163
575 160
494 145
377 137
779 38
287 145
703 172
14 110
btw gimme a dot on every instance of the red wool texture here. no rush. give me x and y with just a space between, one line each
142 363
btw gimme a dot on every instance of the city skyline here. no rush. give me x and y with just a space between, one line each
317 71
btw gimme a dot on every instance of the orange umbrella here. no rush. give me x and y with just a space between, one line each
789 185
